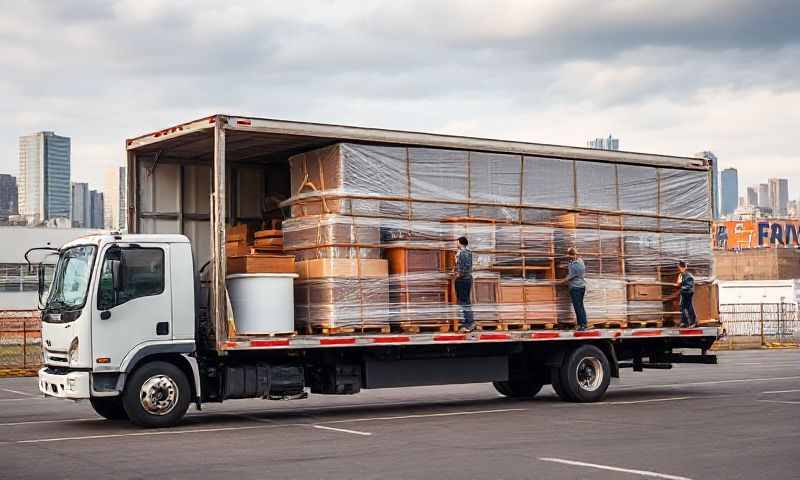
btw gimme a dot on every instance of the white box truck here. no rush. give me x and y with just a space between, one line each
130 325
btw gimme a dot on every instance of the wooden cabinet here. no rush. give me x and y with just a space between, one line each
644 292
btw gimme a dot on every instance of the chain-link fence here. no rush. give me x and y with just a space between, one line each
20 342
765 324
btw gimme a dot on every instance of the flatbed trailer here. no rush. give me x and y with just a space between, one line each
148 336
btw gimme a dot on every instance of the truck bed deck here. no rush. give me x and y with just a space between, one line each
327 341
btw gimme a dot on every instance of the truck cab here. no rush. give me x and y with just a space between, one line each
115 302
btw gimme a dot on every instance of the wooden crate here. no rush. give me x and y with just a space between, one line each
644 291
261 263
404 260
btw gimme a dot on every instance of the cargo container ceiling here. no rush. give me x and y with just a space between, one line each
265 140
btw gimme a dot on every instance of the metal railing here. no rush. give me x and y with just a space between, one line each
770 324
20 342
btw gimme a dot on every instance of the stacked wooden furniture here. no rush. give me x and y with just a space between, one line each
250 251
356 205
343 283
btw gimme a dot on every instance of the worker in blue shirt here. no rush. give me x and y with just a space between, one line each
577 286
685 284
462 271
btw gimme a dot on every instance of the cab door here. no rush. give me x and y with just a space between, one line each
132 305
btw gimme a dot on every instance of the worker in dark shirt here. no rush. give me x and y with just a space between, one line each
577 286
462 271
685 283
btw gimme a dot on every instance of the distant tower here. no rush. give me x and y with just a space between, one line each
729 182
763 196
752 196
779 196
44 173
609 143
114 199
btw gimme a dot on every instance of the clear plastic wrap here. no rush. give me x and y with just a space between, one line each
406 207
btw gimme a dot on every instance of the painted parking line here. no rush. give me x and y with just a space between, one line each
629 402
781 391
342 430
788 402
66 420
426 415
711 382
24 394
643 473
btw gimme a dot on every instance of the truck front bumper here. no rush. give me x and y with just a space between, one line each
72 385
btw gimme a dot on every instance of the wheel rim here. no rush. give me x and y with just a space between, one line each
589 373
159 395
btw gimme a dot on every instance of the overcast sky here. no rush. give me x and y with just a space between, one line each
672 77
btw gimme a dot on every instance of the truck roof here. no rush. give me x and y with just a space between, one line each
253 138
128 238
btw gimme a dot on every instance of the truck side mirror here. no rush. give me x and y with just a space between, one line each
40 279
117 275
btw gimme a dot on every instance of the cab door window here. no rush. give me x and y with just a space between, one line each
141 271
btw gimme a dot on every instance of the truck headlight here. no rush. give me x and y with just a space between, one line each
73 351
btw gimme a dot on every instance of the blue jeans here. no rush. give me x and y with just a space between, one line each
463 289
577 294
687 309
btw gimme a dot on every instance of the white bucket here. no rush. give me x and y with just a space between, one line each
263 303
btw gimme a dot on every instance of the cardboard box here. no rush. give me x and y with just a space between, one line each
261 263
342 268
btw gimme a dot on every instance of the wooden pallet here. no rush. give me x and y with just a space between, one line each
517 325
548 326
408 327
490 326
645 323
608 324
349 330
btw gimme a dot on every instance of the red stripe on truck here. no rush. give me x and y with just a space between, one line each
691 331
391 339
270 343
545 335
243 122
337 341
646 333
494 336
587 333
448 338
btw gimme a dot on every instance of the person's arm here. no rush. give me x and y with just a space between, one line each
457 266
571 273
679 281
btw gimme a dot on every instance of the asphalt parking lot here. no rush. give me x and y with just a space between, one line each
739 419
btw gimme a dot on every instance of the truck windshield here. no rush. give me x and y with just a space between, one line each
71 279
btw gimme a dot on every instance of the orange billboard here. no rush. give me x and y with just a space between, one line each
744 234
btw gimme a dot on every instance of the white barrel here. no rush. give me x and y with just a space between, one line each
263 303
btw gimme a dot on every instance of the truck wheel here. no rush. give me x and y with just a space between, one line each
109 407
555 377
157 395
516 389
585 374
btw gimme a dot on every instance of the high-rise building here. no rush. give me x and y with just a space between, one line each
794 209
609 143
8 195
752 197
779 196
115 199
97 210
729 190
44 190
81 205
763 196
712 159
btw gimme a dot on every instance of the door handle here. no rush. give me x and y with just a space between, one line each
162 328
105 315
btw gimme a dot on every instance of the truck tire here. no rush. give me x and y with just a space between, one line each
156 395
585 374
109 407
516 389
555 377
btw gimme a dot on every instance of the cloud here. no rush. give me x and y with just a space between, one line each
665 76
